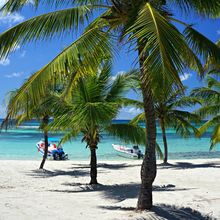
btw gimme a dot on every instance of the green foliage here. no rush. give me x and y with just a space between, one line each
94 101
210 96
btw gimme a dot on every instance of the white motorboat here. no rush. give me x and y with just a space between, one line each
55 151
133 152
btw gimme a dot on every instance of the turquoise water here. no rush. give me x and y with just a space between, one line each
19 144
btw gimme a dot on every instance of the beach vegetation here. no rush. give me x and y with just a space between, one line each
89 108
26 109
209 111
170 110
147 27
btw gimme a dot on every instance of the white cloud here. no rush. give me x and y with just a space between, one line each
2 2
132 110
118 73
5 62
23 53
17 47
185 76
14 75
11 18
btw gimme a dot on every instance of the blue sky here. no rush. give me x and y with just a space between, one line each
29 58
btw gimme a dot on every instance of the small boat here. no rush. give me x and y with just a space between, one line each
55 151
133 152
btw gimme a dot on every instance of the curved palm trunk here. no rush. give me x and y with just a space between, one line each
148 168
93 165
45 122
164 141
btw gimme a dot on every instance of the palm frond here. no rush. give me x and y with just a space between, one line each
128 133
186 101
16 5
89 45
212 122
69 135
182 123
165 45
213 83
43 27
138 118
204 93
215 139
120 85
209 109
132 102
204 8
201 45
159 151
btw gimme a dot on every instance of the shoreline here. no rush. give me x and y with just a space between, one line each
187 188
125 160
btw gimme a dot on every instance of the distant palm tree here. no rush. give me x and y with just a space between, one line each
90 108
210 96
148 26
26 110
210 107
168 107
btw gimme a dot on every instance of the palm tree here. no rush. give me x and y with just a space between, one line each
28 109
88 111
168 105
210 107
148 26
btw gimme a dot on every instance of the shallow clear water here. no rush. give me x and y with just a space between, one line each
19 144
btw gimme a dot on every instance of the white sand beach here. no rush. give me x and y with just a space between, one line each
186 190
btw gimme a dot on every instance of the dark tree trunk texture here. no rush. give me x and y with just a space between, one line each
93 165
45 122
148 168
164 141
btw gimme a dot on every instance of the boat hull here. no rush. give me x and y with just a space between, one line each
126 152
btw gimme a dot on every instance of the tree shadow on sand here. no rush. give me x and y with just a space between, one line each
115 192
48 174
187 165
76 171
164 211
107 166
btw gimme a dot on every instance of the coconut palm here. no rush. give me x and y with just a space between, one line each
168 105
27 109
211 107
148 26
88 111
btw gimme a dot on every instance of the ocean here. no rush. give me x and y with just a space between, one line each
20 144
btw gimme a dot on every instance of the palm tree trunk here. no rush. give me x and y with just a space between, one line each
148 168
93 165
164 141
45 122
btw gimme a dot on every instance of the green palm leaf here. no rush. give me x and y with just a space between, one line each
128 133
201 45
138 118
43 27
163 38
215 137
212 122
209 8
90 43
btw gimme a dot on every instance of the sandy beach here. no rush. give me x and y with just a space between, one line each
185 190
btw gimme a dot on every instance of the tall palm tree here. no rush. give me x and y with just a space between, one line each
210 107
88 111
148 25
168 105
